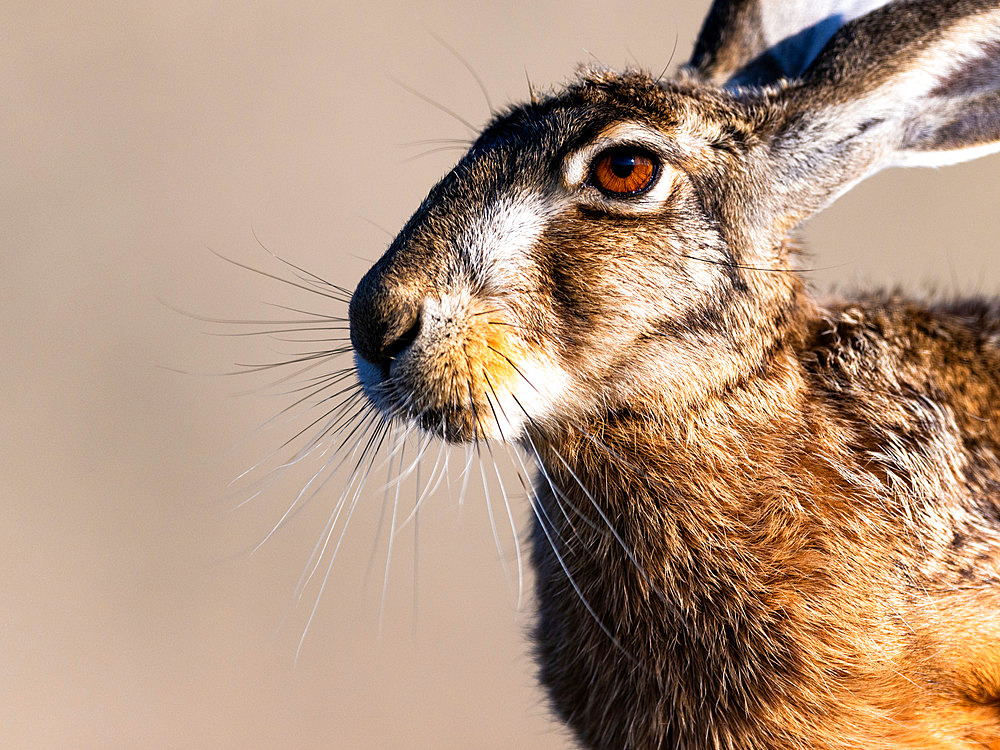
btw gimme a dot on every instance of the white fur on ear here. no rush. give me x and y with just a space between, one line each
911 84
756 42
959 117
943 158
795 33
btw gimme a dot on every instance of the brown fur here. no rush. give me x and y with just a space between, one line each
763 521
782 553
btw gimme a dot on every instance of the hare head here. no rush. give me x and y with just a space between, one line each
727 547
622 241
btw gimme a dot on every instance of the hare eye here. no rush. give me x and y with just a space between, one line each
624 171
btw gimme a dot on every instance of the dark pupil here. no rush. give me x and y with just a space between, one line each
622 165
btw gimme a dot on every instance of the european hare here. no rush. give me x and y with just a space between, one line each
763 520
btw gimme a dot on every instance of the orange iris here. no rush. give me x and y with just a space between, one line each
623 171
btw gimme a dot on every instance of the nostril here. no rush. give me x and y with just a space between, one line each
397 346
385 319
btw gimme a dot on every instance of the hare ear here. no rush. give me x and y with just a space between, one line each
912 83
755 42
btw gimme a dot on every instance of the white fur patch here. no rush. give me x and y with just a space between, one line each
538 392
499 239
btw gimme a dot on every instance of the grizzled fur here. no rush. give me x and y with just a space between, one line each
813 555
762 520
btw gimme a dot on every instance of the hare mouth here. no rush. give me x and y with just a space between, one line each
454 423
466 376
392 395
453 405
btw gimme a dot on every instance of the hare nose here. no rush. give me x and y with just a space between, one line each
383 326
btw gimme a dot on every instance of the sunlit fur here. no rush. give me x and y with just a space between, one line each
761 520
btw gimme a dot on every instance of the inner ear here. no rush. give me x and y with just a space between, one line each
971 133
790 57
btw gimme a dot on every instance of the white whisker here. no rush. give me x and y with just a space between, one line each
380 430
506 500
545 524
388 555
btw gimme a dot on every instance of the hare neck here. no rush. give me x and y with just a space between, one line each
660 549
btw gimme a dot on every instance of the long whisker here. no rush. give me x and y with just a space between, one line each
469 456
339 296
311 397
614 532
379 433
506 500
742 266
463 142
369 419
294 507
467 66
629 552
392 536
303 452
493 524
303 274
356 477
381 514
607 522
429 487
276 331
544 523
670 59
431 152
437 105
489 506
312 313
320 317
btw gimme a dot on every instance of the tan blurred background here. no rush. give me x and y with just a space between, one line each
135 137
